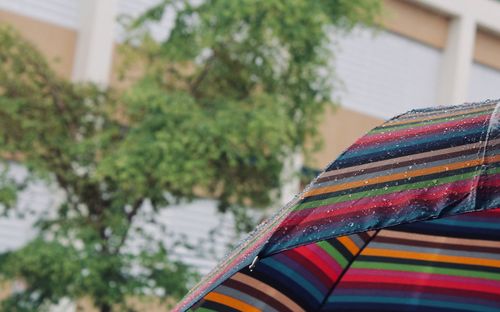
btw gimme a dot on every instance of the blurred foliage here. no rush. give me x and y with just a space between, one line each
236 87
70 135
257 74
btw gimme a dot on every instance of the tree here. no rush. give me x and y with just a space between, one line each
236 87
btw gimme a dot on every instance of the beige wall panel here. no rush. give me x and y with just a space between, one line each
339 129
122 79
139 304
415 22
5 290
56 43
487 49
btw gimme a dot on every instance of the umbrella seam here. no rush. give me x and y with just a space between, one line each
330 291
482 153
285 210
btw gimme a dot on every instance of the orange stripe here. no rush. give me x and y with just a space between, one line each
430 257
230 302
349 244
401 175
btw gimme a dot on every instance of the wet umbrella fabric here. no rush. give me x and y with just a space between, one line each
407 218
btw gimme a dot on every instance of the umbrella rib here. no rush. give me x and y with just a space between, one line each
493 123
346 269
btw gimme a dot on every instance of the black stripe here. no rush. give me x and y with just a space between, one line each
360 305
275 278
340 248
438 228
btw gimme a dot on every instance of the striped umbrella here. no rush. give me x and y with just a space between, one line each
407 218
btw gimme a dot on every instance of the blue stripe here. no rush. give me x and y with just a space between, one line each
302 271
469 224
411 302
353 158
374 292
436 137
297 278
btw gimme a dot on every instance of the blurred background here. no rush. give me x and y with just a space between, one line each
377 60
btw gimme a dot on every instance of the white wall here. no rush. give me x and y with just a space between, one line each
386 74
197 223
16 230
484 83
207 232
60 12
66 13
134 8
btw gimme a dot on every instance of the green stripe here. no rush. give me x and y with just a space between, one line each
339 258
424 269
392 189
385 190
429 122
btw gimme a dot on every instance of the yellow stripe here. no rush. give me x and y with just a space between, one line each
349 244
230 302
430 257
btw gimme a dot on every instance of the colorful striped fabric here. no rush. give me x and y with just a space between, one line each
443 265
420 165
450 264
298 279
424 164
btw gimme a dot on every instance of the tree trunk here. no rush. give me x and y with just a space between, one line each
105 308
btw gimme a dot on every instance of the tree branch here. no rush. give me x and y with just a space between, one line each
204 72
129 217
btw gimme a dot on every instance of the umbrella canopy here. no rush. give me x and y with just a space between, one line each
407 218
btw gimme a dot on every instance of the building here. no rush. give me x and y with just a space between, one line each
427 52
430 52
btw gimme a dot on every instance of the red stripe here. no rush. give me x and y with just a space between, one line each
370 204
424 130
422 279
423 276
322 259
394 200
310 266
491 213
